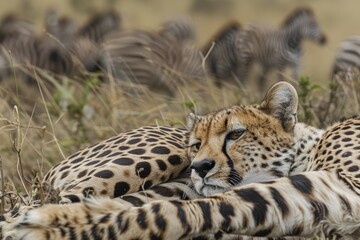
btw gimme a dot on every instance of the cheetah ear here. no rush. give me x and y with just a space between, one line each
191 120
281 101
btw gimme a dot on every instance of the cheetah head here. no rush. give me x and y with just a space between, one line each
243 144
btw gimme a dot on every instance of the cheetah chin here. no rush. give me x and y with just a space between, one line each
209 187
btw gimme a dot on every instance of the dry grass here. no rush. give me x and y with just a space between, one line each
40 131
36 133
44 122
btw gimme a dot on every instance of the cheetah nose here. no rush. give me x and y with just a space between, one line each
203 167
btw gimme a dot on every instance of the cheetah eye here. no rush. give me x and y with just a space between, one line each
236 134
195 147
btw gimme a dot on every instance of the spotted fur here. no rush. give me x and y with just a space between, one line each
123 164
305 182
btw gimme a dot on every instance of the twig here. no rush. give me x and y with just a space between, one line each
19 167
17 149
41 165
48 115
203 59
15 78
21 126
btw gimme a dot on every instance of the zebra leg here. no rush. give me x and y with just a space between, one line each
242 69
303 205
295 72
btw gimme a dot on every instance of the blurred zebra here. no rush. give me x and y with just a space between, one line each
348 56
181 29
30 53
276 48
221 59
62 28
82 45
87 54
63 52
99 26
152 59
14 26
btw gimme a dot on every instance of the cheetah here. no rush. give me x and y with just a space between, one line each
123 164
262 174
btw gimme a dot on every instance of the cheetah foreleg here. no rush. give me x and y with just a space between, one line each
301 205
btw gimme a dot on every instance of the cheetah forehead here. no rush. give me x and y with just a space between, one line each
235 117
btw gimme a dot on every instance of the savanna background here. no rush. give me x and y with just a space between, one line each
42 123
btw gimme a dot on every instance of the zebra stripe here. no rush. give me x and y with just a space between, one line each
348 56
46 53
99 26
83 43
13 26
62 28
88 54
222 60
272 48
40 52
181 29
152 59
277 48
